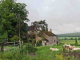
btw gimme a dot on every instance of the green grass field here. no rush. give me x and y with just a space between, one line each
68 38
42 53
69 41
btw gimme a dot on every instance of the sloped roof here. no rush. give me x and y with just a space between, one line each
46 40
49 33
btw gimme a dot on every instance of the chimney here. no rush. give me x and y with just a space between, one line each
50 30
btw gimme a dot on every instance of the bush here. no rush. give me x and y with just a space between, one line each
29 47
65 38
39 43
71 38
59 57
15 38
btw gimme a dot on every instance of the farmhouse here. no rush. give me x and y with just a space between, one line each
50 38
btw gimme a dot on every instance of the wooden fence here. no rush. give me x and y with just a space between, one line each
7 44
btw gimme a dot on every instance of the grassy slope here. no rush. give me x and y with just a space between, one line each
77 34
67 38
69 41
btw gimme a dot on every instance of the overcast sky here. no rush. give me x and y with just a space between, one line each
62 16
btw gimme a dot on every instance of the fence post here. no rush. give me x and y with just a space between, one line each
2 47
63 51
19 43
14 44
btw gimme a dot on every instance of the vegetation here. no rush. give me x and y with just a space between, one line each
29 52
16 53
76 43
12 17
69 41
15 38
77 34
68 38
12 26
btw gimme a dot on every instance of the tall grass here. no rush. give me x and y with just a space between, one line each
42 53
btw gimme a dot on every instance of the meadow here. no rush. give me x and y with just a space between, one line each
68 38
69 41
41 53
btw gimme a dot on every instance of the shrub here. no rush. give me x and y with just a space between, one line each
59 57
39 43
15 38
29 47
71 38
65 38
70 58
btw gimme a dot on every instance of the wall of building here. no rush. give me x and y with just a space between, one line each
52 39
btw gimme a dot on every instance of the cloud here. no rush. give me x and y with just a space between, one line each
62 16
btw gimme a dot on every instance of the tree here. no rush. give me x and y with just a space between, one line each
40 26
6 16
12 13
76 43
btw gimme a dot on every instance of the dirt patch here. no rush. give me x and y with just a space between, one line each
4 49
75 54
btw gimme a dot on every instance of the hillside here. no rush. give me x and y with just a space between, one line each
77 34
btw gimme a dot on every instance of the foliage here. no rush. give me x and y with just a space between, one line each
40 24
60 57
15 38
29 47
5 35
70 58
42 53
76 43
11 14
65 38
71 38
39 43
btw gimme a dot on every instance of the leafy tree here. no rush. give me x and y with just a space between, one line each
39 25
76 43
13 16
7 16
